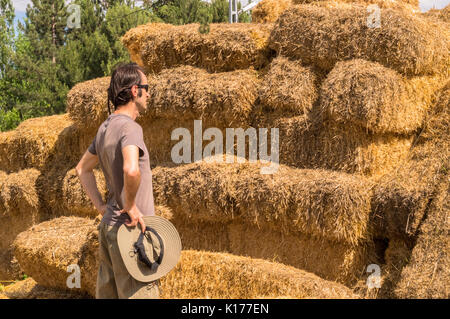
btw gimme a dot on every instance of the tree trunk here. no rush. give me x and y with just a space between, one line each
53 34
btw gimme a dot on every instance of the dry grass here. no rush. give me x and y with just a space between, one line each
30 289
29 197
410 5
322 36
378 99
268 11
62 193
411 204
217 275
428 273
289 87
46 250
306 142
442 14
402 197
319 203
87 103
42 142
9 267
19 204
331 260
192 93
134 39
226 47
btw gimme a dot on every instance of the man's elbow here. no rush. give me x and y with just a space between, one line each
132 171
79 169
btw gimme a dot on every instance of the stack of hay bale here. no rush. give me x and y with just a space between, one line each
349 102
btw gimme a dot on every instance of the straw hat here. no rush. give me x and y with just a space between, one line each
152 255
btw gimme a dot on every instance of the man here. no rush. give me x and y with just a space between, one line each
120 150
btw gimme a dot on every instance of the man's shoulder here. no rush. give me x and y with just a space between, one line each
124 122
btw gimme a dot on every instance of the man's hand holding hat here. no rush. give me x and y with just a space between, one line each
135 216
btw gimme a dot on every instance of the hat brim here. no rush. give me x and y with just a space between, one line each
127 236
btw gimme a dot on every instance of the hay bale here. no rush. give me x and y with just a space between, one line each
134 39
289 87
9 267
378 99
42 142
19 210
427 275
411 206
30 289
192 93
19 204
331 260
46 250
268 11
322 36
315 202
309 143
397 4
74 198
226 47
219 275
29 197
328 259
442 14
402 197
87 103
62 194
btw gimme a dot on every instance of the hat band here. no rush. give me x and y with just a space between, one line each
140 249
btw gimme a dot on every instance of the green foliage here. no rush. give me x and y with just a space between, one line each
6 33
219 11
184 12
9 119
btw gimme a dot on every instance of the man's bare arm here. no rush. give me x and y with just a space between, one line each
131 175
132 180
85 172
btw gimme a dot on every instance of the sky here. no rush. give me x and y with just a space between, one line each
425 5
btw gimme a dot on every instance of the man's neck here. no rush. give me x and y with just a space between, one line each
129 110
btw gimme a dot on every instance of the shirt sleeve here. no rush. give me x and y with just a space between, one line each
132 135
91 147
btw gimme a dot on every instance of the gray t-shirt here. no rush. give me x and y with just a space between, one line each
116 132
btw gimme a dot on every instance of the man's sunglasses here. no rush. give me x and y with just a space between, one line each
143 86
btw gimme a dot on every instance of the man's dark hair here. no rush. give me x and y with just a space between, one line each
123 78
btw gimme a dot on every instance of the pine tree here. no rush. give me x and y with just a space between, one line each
219 11
6 33
8 115
45 27
183 11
